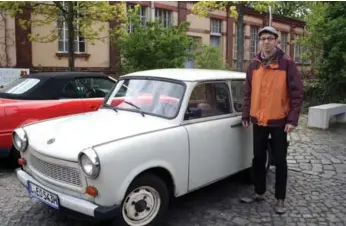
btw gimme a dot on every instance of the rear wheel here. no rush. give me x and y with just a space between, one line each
145 203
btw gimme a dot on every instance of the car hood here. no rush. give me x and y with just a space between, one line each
74 133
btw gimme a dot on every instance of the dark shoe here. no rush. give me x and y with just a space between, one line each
253 198
280 207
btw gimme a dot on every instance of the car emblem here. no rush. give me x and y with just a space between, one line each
51 141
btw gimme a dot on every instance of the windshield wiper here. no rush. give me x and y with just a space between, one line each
135 106
109 107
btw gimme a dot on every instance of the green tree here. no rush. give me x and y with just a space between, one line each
80 17
208 57
325 41
235 9
332 63
153 45
313 40
293 9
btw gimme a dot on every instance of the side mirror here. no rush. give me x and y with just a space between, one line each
193 113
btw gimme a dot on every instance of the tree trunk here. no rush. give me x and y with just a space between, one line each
70 17
240 37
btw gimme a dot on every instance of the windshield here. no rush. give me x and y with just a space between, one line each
20 85
147 96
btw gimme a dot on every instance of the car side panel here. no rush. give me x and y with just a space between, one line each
92 104
123 160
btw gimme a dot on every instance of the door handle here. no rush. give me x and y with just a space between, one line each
236 125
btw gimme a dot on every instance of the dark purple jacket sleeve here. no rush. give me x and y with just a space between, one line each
296 93
247 95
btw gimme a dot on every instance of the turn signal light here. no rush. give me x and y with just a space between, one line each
21 162
91 191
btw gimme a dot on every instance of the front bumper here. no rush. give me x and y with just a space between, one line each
75 204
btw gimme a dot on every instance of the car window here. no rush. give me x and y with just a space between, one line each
238 94
97 83
149 96
87 88
72 90
20 86
210 99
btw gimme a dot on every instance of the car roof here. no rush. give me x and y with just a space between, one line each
187 74
70 74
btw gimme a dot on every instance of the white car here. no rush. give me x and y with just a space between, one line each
160 134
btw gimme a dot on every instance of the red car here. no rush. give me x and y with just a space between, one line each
46 95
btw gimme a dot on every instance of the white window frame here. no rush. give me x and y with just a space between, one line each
297 52
215 30
62 27
253 41
164 16
235 43
142 14
283 41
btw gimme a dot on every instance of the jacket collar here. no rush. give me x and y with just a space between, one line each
274 62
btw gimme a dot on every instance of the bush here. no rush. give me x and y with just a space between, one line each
153 46
209 57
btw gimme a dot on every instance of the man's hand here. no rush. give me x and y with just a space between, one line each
245 123
289 128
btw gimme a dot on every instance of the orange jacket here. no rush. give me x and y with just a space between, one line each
274 93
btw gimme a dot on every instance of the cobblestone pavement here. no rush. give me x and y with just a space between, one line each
316 192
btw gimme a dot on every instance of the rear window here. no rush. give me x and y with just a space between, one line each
20 85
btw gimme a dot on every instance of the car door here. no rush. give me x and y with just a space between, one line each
214 137
245 135
95 89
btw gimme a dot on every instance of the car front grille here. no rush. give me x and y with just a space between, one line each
64 174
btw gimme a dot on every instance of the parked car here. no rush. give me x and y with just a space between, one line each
160 134
46 95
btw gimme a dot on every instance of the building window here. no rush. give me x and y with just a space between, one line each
235 43
142 14
190 62
215 32
283 41
79 41
253 41
164 17
299 51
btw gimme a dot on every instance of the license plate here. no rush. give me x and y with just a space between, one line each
43 195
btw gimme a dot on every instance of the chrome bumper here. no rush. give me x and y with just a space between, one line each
72 203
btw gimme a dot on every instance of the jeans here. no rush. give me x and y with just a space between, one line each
279 154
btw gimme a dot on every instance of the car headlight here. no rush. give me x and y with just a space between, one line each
20 140
90 163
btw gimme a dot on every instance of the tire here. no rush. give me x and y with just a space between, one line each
13 157
146 190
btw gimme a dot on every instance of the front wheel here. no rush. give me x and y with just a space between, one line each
145 202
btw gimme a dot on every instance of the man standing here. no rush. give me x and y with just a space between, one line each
272 102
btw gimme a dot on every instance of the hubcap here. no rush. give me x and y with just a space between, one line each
141 206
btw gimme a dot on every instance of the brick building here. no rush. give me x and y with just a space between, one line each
216 29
